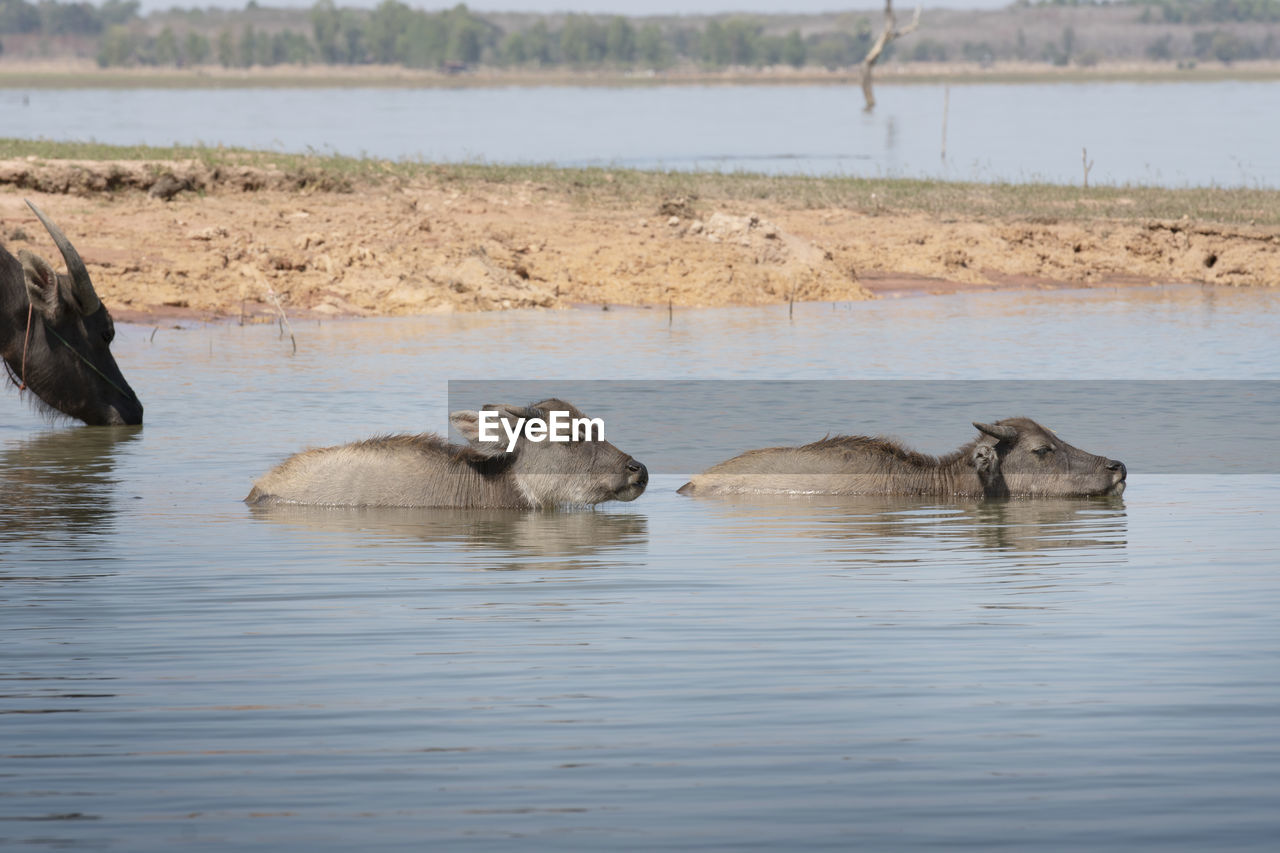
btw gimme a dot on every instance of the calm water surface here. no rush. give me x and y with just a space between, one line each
1171 134
179 670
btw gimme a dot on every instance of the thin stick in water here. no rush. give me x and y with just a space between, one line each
284 321
946 107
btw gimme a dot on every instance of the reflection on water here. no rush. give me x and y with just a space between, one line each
62 483
868 524
496 539
1025 525
866 528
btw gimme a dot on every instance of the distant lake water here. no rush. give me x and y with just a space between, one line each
1166 134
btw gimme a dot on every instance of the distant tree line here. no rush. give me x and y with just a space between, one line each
1210 11
124 46
1218 45
51 18
396 34
1184 11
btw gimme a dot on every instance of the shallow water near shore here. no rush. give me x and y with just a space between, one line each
182 670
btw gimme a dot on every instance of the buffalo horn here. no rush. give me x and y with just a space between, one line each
81 286
1004 433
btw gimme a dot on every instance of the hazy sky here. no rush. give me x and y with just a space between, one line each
624 7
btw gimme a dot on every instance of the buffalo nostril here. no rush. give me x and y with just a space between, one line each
1116 465
637 468
634 466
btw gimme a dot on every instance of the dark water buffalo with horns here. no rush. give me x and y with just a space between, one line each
1014 457
55 335
427 471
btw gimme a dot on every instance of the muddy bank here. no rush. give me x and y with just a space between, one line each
215 240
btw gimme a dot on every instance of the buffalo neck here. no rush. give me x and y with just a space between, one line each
952 474
482 481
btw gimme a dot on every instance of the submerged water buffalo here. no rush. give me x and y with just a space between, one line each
1013 457
427 471
55 336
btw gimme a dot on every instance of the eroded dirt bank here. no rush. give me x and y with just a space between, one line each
175 238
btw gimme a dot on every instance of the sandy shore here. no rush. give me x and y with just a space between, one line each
186 239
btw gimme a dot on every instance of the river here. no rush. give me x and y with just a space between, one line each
180 670
1163 134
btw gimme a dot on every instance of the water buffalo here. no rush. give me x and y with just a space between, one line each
427 471
1013 457
55 335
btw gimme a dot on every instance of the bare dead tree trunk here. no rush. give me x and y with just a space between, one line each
888 34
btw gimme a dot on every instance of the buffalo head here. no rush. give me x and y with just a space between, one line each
55 335
1018 456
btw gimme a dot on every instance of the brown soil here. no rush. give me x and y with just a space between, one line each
187 239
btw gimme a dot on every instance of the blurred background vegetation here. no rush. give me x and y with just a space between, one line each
1061 33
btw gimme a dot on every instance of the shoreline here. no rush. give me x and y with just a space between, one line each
85 74
221 235
889 286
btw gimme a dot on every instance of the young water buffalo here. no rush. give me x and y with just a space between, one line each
55 336
426 471
1013 457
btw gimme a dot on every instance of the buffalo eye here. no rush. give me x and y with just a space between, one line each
1042 452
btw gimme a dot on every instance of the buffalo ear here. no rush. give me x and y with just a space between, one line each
987 463
42 284
467 423
513 413
997 431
